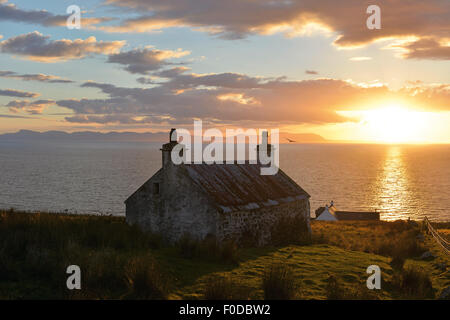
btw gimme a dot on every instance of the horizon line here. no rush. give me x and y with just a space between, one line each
324 141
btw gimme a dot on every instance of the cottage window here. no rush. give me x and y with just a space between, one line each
156 188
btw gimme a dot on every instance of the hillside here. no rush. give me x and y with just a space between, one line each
83 136
120 262
28 135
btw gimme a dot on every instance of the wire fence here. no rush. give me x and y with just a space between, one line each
445 244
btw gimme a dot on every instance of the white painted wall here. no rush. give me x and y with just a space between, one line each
326 216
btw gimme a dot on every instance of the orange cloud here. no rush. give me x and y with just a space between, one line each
17 93
425 48
146 59
31 107
10 12
233 98
33 77
237 18
37 47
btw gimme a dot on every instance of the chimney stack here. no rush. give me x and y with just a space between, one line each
173 135
167 148
264 146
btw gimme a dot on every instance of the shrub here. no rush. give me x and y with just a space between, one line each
223 288
399 226
249 238
229 252
102 273
404 245
8 272
319 238
399 255
208 249
36 248
335 291
379 237
279 283
361 292
397 262
413 283
290 230
187 246
145 280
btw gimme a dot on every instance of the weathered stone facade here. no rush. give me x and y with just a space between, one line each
224 201
260 221
178 209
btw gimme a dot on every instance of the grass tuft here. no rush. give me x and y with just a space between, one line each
208 249
224 288
359 291
279 283
145 279
291 230
413 283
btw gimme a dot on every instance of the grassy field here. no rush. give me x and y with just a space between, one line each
120 262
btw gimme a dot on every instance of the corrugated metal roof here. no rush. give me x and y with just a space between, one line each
235 187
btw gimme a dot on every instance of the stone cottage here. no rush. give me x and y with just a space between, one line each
221 200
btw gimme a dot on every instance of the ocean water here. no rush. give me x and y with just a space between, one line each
398 181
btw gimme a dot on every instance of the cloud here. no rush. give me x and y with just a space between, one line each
17 93
311 72
167 73
360 58
144 60
13 116
166 101
118 105
31 107
116 118
171 73
236 98
233 98
37 47
34 77
143 24
10 12
224 80
426 48
434 96
235 19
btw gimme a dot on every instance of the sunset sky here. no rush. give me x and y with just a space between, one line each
306 66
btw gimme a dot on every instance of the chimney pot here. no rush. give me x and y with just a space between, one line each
173 135
264 146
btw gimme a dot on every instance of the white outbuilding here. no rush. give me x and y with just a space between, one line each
331 213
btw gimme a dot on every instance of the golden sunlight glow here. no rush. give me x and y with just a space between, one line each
393 185
394 124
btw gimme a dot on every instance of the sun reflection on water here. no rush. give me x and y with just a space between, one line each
394 187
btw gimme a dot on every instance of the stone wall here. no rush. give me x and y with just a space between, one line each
177 210
260 221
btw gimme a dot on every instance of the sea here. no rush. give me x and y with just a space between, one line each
399 181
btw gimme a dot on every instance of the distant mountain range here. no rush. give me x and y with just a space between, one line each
301 138
85 136
28 135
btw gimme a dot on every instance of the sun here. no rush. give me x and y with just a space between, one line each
395 124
